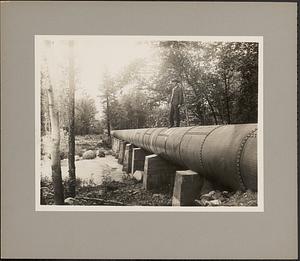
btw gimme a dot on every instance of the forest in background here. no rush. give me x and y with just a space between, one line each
219 79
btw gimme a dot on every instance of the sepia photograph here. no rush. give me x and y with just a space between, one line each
148 122
149 130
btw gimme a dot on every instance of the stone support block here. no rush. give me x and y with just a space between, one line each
117 147
158 173
138 159
127 161
115 144
187 187
112 143
121 151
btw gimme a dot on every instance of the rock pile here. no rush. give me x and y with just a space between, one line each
225 198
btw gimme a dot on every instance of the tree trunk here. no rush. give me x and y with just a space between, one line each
221 116
55 151
108 117
227 99
212 110
55 135
71 153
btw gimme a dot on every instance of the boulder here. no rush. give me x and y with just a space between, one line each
89 154
208 196
204 202
138 175
214 202
71 201
101 153
217 195
225 193
108 152
198 202
77 158
100 144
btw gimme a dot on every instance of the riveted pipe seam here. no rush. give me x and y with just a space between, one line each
238 158
202 144
182 139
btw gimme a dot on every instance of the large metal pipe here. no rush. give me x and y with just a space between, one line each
226 154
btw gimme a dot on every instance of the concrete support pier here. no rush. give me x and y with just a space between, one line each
158 173
127 161
187 187
121 151
117 148
138 159
115 145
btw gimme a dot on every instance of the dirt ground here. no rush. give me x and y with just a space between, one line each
91 170
101 181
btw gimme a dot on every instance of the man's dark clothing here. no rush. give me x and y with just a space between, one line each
176 101
174 115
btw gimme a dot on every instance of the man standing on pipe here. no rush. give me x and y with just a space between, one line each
176 101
